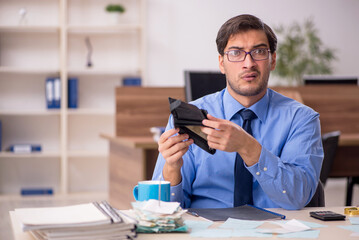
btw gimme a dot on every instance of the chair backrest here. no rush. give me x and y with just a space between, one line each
318 200
330 144
200 83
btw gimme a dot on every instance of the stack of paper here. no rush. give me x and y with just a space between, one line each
158 216
83 221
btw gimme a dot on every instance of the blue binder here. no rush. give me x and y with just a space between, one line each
49 92
131 81
0 136
57 92
25 148
37 191
72 93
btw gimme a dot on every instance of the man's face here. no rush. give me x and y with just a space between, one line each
250 77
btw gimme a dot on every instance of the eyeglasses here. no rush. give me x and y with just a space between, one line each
257 54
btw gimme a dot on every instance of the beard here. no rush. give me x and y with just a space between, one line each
250 90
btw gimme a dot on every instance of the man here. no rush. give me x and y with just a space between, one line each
282 151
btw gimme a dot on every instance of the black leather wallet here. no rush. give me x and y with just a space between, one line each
188 118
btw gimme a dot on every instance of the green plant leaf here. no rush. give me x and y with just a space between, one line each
301 51
115 8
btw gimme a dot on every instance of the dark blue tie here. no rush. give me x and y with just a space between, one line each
243 179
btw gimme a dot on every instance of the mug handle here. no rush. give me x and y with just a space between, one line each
135 192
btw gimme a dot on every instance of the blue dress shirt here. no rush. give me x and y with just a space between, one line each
289 165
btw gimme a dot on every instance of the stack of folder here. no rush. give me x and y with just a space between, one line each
83 221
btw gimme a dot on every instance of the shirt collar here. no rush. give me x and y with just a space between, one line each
231 106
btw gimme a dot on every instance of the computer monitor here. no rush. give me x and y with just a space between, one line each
201 83
329 79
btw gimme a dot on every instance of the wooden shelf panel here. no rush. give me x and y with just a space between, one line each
30 155
30 29
106 29
104 72
25 70
84 153
26 112
97 112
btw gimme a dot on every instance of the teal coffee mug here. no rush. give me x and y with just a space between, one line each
146 190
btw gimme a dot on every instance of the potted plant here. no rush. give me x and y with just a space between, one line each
301 52
115 10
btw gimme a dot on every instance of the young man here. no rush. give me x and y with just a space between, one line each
281 152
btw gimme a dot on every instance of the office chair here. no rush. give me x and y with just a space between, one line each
318 200
351 181
330 144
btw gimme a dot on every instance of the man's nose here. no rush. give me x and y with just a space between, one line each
249 62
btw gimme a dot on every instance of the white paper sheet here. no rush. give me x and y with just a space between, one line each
160 207
287 227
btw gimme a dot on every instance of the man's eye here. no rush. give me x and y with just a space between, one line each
235 53
259 51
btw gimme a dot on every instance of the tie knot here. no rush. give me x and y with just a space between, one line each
247 114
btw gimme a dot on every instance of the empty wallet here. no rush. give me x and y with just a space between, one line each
188 118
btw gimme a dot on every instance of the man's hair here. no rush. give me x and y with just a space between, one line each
243 23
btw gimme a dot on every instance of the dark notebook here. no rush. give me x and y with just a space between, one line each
245 212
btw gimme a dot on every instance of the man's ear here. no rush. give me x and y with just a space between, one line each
221 66
274 61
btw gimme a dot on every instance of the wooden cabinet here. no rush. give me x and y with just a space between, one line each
53 38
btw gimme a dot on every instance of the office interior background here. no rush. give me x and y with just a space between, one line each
172 36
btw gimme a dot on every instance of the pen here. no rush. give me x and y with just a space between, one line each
193 214
265 210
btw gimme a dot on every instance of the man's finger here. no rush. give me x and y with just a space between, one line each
210 117
167 134
213 122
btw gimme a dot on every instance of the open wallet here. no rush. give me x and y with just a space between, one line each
188 118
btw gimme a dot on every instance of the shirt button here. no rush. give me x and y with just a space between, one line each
265 169
257 173
172 194
284 191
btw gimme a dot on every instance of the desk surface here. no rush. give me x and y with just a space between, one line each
332 232
349 139
133 142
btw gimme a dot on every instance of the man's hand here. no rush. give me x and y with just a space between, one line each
173 147
227 136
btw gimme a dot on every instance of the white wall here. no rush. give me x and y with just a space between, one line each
181 34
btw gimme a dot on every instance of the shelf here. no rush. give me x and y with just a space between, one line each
108 72
87 154
30 155
106 29
27 112
72 112
30 29
97 112
56 38
24 70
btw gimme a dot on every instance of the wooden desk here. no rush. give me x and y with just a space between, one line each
332 232
133 153
131 159
348 139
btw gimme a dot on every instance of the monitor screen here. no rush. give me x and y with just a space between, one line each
329 79
199 84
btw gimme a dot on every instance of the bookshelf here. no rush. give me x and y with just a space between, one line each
52 42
